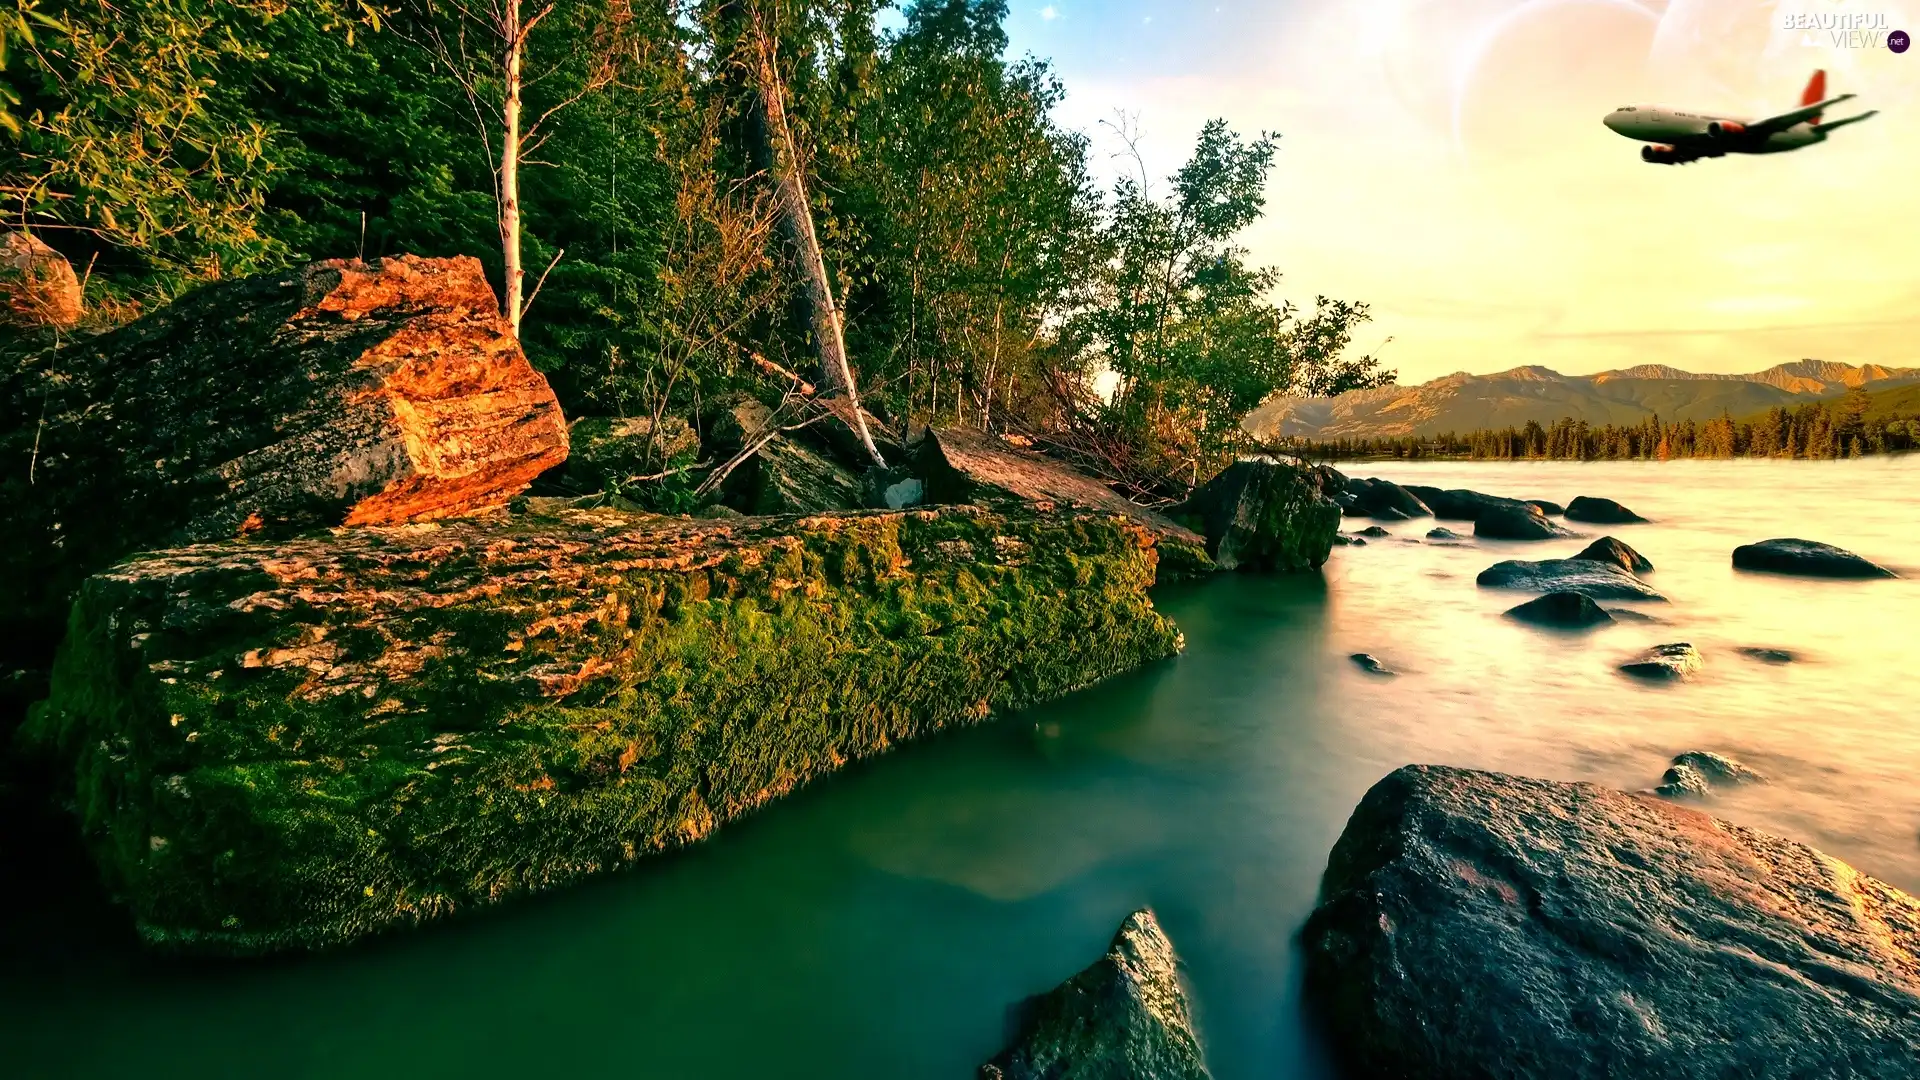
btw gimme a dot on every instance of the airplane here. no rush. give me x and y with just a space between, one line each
1681 137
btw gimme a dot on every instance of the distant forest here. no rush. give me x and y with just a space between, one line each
1853 426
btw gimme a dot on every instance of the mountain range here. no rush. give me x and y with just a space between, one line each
1462 403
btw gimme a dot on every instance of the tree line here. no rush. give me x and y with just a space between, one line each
1846 428
679 200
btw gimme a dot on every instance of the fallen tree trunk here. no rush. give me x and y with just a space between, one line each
342 393
290 745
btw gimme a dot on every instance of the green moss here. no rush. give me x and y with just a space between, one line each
273 754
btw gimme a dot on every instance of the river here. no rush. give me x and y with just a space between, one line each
881 923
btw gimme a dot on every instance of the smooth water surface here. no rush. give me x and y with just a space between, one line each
881 923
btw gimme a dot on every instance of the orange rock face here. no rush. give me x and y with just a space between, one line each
342 393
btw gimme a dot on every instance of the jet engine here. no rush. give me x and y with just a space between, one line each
1659 155
1720 129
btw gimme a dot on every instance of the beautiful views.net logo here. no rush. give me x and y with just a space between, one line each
1851 30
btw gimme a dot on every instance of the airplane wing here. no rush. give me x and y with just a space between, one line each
1786 120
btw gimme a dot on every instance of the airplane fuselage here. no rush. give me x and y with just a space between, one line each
1708 136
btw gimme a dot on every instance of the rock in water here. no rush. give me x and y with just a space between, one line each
1517 523
341 393
1475 925
1677 661
1371 664
1375 531
1601 512
1807 558
294 744
1387 500
1717 769
1551 509
1264 514
1608 550
1682 781
962 465
1124 1018
1600 580
1460 504
1443 534
38 287
1568 610
1767 656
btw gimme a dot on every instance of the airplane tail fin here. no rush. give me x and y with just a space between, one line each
1815 92
1824 128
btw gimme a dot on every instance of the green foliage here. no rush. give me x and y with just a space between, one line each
240 800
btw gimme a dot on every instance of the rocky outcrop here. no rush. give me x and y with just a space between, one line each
788 476
1665 663
38 288
1600 580
1601 512
1387 500
1613 552
341 393
1562 610
1263 514
277 745
962 465
1521 522
1124 1018
1475 925
1806 558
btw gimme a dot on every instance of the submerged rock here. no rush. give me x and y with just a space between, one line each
1608 550
1343 540
1682 781
1601 512
1374 531
1568 610
1124 1018
1600 580
1717 769
1477 925
343 393
1443 534
1767 656
1371 664
343 734
1679 660
1263 514
1517 523
1806 558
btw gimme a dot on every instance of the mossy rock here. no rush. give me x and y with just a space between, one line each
788 477
611 451
291 745
1264 514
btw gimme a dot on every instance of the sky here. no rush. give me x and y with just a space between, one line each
1445 162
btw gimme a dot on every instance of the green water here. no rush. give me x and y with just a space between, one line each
881 924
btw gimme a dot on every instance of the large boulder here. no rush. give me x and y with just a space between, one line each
344 393
1124 1018
1612 551
1475 925
285 745
1387 500
614 451
38 288
1806 558
1601 512
1263 514
1519 522
786 476
1588 577
964 465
